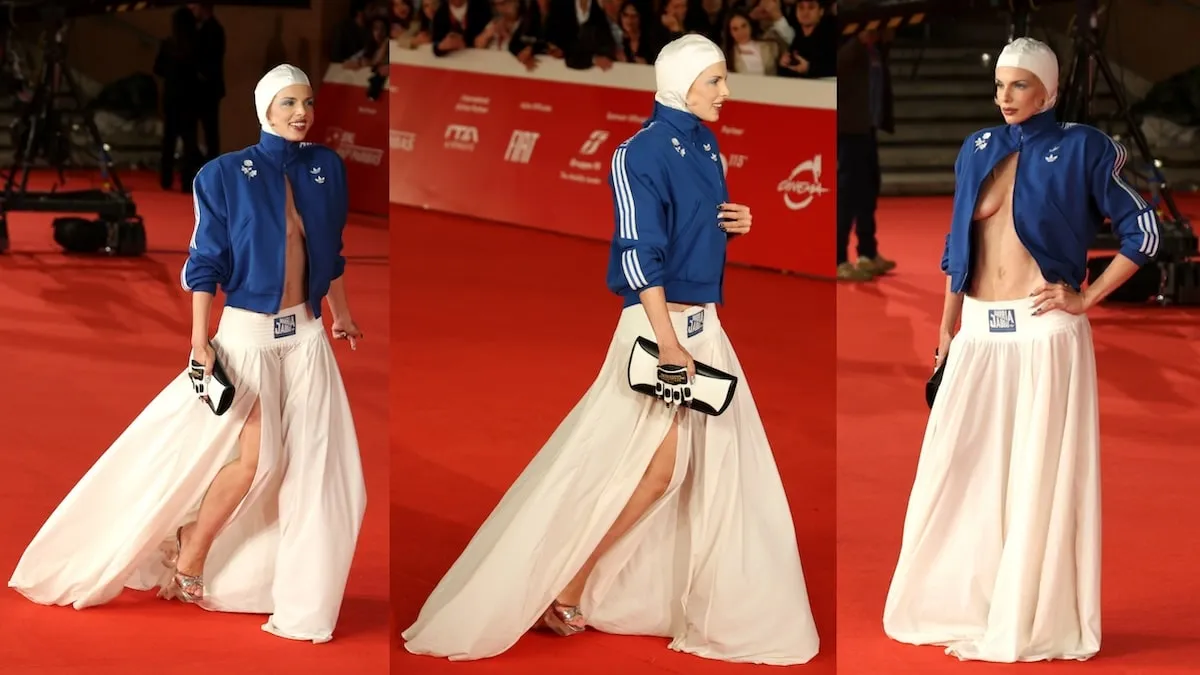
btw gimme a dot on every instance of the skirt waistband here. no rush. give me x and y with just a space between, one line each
249 327
1012 319
691 325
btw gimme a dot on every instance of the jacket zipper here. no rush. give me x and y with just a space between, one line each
283 254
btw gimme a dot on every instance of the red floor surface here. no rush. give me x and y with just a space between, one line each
85 345
1149 370
473 310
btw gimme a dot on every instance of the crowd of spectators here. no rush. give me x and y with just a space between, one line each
785 38
361 40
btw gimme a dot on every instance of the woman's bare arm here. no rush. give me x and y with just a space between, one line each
201 311
951 310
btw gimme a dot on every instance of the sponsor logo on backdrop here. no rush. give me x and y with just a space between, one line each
461 137
732 161
593 143
803 185
478 105
590 147
621 117
342 142
520 146
731 131
402 140
536 107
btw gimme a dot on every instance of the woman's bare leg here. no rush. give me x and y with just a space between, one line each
650 489
228 488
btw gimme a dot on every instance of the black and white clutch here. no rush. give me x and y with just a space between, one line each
219 391
711 393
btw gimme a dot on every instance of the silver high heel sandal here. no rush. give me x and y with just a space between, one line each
558 618
182 587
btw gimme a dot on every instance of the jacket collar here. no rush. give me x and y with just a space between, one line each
278 148
685 122
1034 126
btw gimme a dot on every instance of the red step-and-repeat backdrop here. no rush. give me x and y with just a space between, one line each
357 128
476 134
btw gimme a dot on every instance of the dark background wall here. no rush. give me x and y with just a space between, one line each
107 48
1153 38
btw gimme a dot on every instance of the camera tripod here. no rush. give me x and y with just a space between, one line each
41 131
1172 279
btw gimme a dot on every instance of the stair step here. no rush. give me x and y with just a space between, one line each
972 69
927 85
942 183
918 183
922 156
957 87
918 131
971 106
919 172
966 53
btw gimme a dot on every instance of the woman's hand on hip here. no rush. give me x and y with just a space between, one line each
346 329
1057 296
734 218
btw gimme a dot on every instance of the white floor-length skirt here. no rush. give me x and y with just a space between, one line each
713 566
287 549
1000 558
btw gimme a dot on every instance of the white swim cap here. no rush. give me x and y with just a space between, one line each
276 80
1037 58
679 64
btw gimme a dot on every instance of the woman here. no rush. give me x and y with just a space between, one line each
1000 558
406 24
745 54
375 50
636 46
258 509
638 518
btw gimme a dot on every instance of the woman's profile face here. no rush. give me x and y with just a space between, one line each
1019 94
739 30
291 113
709 92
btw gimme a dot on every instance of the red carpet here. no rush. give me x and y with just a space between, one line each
85 345
1150 396
467 310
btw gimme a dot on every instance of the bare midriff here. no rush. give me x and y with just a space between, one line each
681 306
1002 268
295 257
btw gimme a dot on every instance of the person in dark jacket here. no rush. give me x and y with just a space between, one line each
210 64
177 65
864 109
813 52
